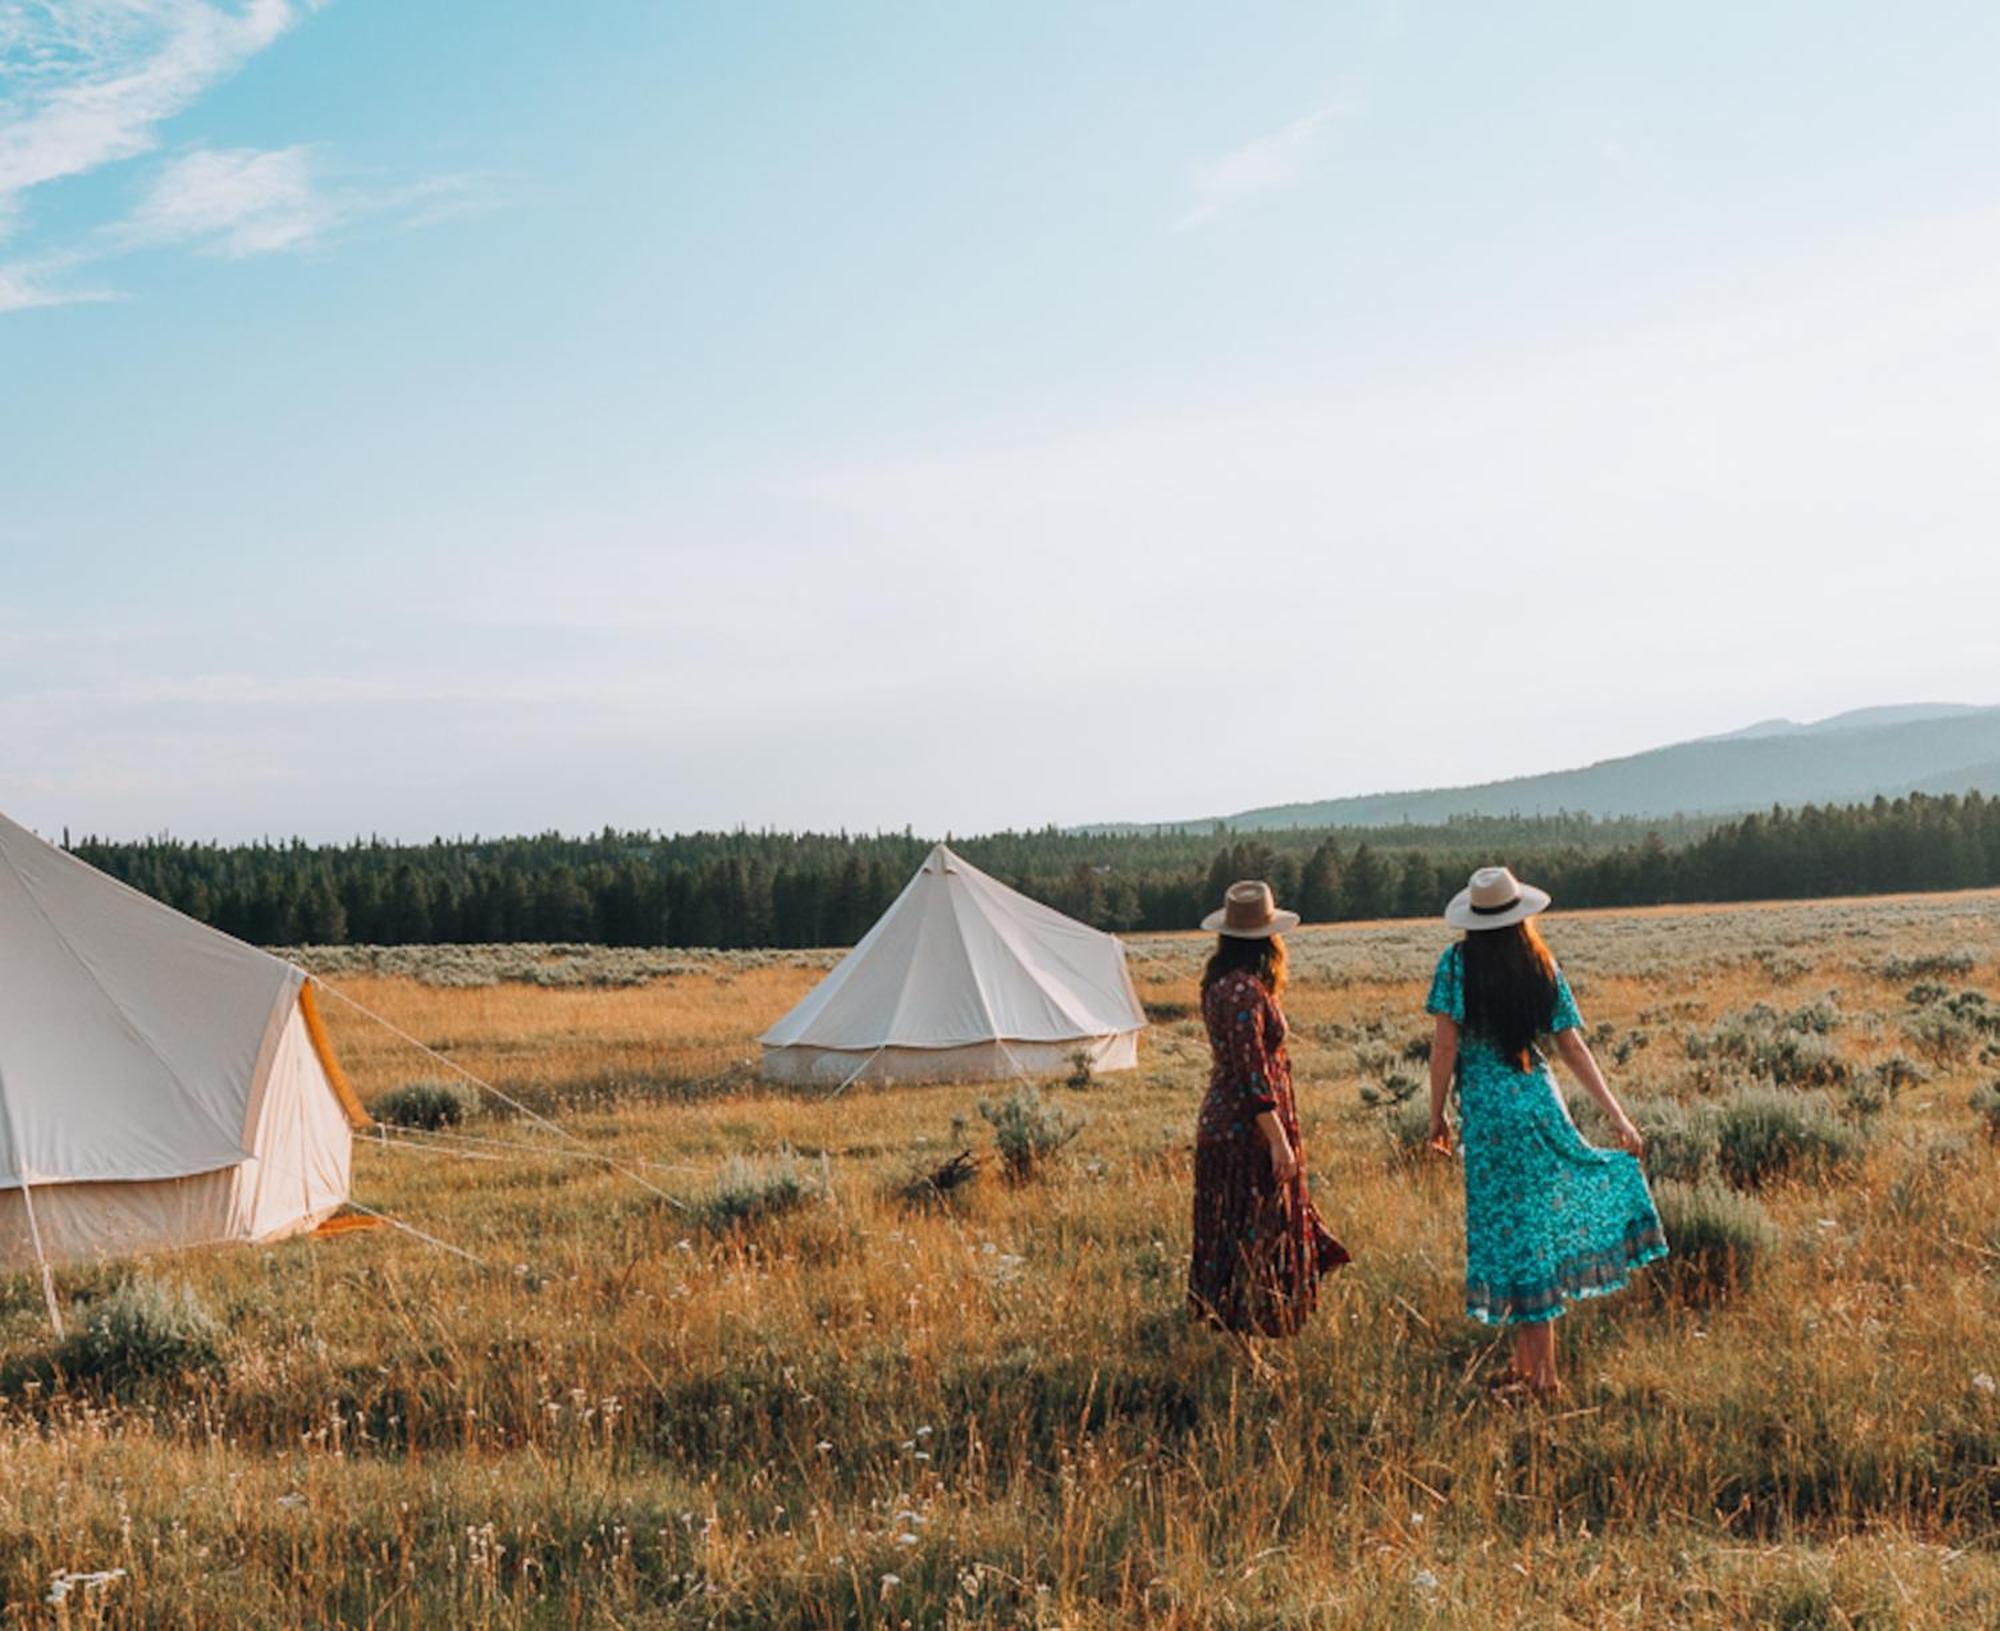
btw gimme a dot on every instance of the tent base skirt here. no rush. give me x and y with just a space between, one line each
993 1061
87 1223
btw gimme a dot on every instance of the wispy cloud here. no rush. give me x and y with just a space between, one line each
94 79
235 202
25 285
1265 164
89 83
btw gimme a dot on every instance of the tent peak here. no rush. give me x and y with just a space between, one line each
941 859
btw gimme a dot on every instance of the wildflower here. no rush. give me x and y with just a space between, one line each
1984 1382
1424 1580
63 1582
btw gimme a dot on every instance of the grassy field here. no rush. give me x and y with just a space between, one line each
766 1386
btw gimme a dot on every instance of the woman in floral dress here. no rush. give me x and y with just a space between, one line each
1549 1219
1259 1245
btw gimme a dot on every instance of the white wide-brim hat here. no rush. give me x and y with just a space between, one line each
1494 899
1250 912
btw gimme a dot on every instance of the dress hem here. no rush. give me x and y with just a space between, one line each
1487 1315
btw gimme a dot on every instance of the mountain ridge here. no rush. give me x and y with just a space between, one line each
1847 758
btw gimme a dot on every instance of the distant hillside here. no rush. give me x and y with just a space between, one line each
1930 748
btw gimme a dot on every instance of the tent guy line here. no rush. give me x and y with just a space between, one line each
504 1097
412 1229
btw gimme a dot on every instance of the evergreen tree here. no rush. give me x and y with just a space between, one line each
1319 884
1365 887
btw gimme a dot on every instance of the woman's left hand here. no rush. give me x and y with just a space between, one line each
1629 1139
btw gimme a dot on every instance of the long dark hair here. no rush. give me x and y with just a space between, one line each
1264 957
1510 988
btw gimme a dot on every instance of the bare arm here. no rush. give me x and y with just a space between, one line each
1284 1159
1583 1066
1444 1061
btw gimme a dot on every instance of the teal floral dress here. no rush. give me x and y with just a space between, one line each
1549 1219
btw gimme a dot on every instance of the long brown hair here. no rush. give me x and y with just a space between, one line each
1510 988
1264 957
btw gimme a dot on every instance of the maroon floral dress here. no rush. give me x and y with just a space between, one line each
1259 1249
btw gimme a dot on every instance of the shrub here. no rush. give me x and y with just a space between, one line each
1939 1034
142 1329
1394 1087
1782 966
429 1105
941 1184
1977 1009
1719 1239
1810 1603
1028 1130
1081 1072
1762 1133
1818 1017
1986 1105
1682 1142
752 1188
1931 963
1873 1092
1897 1071
1628 1044
1793 1050
1407 1122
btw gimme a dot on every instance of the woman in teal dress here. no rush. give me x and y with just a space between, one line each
1549 1219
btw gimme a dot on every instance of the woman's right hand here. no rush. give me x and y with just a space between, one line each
1284 1160
1440 1136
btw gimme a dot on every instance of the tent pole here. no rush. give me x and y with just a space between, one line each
42 1257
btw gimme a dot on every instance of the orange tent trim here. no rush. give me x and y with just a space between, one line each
343 1090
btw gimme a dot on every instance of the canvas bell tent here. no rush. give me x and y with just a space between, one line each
963 979
161 1085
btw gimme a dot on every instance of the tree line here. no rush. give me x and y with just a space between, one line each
743 889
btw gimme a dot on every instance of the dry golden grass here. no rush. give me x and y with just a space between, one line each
992 1412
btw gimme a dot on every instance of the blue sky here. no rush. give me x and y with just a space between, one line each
456 417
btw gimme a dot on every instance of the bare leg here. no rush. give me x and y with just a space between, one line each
1535 1356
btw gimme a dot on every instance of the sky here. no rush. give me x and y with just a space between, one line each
460 417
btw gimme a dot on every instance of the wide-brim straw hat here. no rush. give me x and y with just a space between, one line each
1250 912
1494 899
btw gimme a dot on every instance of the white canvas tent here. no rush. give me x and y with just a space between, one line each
161 1085
963 979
